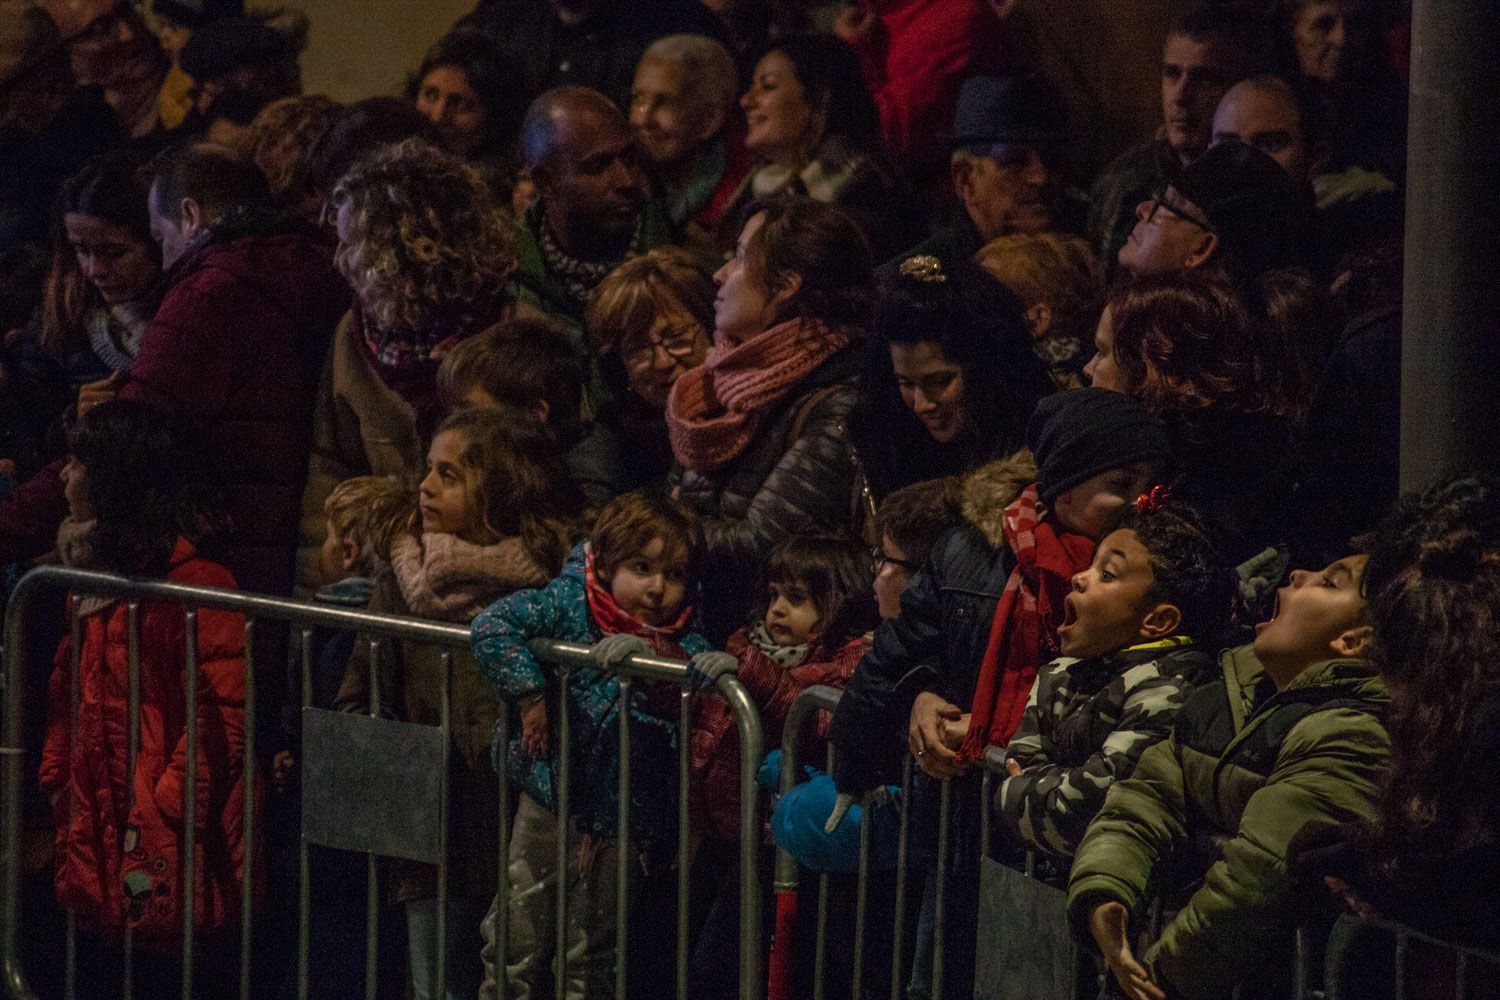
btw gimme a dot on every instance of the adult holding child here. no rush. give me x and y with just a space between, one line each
428 254
758 428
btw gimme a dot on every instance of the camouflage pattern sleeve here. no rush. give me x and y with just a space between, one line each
1048 807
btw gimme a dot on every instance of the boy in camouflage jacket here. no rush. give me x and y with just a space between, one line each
1130 658
1292 735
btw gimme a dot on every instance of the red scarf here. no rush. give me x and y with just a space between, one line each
613 620
715 409
1024 633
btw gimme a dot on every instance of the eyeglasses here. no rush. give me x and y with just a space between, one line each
678 343
880 558
1178 211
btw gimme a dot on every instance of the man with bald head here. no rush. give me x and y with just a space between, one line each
592 208
1263 112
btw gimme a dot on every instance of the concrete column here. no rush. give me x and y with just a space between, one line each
1450 363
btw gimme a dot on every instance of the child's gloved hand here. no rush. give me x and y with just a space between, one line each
613 650
708 667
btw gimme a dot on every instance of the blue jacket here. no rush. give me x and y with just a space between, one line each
560 611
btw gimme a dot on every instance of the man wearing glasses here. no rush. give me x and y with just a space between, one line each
1233 206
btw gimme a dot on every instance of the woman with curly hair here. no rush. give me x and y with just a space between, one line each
427 252
1184 346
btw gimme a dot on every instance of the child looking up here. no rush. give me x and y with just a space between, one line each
497 514
137 500
978 620
1290 736
623 592
1137 635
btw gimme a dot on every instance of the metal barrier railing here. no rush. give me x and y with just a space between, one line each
374 629
1306 955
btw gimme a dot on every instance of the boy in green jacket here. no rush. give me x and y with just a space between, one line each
1291 735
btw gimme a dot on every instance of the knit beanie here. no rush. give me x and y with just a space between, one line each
1078 434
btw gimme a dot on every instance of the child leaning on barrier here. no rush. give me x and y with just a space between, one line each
1289 736
811 629
497 514
137 503
623 592
1138 634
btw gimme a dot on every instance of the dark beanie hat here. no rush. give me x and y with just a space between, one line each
1078 434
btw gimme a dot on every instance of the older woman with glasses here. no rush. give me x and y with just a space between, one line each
649 320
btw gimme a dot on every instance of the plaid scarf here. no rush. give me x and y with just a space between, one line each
580 276
1024 632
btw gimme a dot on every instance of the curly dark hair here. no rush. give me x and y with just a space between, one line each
149 478
835 570
1433 582
979 325
824 247
1188 571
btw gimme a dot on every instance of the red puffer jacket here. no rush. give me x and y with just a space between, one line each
714 745
118 863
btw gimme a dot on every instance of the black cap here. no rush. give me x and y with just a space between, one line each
1260 213
221 47
1078 434
993 110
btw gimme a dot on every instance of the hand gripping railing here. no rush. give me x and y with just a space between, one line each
376 630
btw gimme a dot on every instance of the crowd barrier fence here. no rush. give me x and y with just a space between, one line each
342 755
1336 970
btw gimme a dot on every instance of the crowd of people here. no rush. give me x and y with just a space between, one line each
787 340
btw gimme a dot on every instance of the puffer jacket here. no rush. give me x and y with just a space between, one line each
236 345
119 865
799 474
714 746
937 642
560 611
1245 769
1085 727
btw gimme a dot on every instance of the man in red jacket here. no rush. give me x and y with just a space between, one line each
238 343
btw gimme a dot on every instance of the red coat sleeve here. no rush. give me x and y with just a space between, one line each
30 516
57 746
221 711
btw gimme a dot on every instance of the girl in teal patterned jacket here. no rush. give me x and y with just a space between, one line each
622 592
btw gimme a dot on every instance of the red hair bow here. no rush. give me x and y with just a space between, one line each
1152 500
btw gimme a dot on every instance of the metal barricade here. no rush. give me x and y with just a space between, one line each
1374 959
402 753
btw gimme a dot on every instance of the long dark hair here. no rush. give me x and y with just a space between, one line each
979 325
836 572
832 83
497 81
110 188
1433 583
149 479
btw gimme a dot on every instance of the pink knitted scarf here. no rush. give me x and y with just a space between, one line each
715 410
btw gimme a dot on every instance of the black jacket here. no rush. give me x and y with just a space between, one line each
799 474
937 642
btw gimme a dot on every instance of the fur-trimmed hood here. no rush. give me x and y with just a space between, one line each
991 488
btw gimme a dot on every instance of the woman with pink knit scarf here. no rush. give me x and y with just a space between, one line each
758 429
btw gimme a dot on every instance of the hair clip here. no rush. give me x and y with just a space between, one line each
923 267
1153 500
